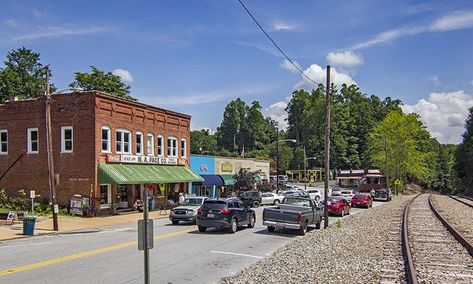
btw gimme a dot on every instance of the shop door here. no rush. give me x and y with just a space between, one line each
122 196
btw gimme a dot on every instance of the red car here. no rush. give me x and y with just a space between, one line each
362 200
337 205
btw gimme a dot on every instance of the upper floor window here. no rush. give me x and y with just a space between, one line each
66 139
183 148
172 147
123 141
150 144
139 143
3 142
105 139
33 141
160 143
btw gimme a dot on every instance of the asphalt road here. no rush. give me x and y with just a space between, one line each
181 254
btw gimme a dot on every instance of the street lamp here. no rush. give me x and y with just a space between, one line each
277 158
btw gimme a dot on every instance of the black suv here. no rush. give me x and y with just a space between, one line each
225 213
250 198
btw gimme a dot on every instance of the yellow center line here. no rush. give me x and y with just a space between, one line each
84 254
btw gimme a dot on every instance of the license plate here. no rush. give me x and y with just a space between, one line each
210 215
280 226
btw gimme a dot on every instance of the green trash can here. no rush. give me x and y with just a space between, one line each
28 225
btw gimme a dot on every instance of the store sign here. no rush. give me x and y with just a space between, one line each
135 159
227 167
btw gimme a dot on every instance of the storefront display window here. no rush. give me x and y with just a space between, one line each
105 195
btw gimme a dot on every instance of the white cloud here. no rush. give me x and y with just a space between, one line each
319 75
282 26
59 31
454 21
266 49
277 111
125 75
344 59
289 66
12 23
38 13
444 114
434 79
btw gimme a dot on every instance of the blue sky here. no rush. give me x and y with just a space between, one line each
196 56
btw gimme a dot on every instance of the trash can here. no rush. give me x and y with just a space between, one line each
28 225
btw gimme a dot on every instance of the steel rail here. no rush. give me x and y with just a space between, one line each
461 201
456 234
409 267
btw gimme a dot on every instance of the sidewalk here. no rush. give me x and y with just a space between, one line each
70 225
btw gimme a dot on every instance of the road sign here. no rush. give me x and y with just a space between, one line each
150 237
32 194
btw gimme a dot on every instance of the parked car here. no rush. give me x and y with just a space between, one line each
293 213
337 205
187 211
383 194
271 198
283 178
296 193
225 213
347 194
336 191
292 187
362 200
250 198
314 194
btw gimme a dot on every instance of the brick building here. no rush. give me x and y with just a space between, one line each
104 148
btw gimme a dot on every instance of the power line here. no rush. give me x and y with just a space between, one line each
274 43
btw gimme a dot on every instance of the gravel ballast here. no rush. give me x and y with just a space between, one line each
363 248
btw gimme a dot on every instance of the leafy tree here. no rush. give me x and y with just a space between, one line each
230 132
23 75
464 157
257 135
99 80
202 142
245 180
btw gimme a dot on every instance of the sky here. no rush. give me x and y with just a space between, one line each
196 56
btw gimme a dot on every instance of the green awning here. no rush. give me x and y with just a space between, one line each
228 179
139 174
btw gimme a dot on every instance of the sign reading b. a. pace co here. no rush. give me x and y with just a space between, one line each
135 159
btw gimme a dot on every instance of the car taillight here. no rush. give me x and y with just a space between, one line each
225 211
299 218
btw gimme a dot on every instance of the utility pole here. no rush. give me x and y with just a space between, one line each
386 162
327 145
277 160
145 234
49 145
305 170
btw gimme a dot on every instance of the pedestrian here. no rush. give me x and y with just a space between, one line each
181 198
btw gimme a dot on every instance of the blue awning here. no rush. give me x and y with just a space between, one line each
210 180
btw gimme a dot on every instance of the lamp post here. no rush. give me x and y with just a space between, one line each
277 157
305 168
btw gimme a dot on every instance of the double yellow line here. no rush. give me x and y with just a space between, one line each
84 254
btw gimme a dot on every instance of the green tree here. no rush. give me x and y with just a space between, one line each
230 133
99 80
245 180
464 157
255 123
202 142
23 75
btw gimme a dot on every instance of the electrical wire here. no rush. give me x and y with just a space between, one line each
274 43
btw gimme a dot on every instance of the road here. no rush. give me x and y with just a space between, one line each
181 254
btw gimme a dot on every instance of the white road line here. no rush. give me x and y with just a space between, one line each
238 254
24 245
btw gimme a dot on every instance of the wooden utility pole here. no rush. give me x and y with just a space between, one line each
49 145
327 146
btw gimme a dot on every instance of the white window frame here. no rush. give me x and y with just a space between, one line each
3 142
30 151
122 142
109 139
184 149
109 196
150 146
160 149
139 133
173 148
63 139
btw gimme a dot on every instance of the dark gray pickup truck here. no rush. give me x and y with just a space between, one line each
293 213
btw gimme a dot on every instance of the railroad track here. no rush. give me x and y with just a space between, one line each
464 200
433 252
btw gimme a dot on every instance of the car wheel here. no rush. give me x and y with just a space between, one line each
317 198
348 212
343 213
317 225
255 204
276 202
303 229
175 222
233 226
202 228
270 229
252 221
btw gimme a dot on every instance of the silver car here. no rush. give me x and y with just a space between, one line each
270 198
187 212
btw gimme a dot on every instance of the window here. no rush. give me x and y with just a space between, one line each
139 143
172 147
3 142
160 143
66 139
150 144
33 141
123 142
183 148
105 139
105 195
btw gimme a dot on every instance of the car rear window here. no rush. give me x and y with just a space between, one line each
213 204
334 199
347 192
359 195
